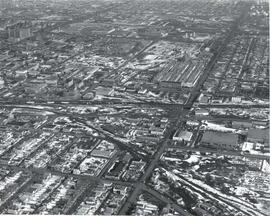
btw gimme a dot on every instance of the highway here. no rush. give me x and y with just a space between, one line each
244 63
223 75
138 188
167 200
196 90
151 166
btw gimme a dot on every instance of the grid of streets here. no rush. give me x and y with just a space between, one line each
156 107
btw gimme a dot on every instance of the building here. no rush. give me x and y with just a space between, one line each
143 138
108 82
218 139
19 31
168 85
34 87
241 124
33 73
265 167
236 99
258 135
70 83
262 123
52 81
203 99
24 32
182 73
182 136
145 208
157 131
103 91
150 32
2 83
89 95
102 153
192 123
7 4
201 112
21 73
91 72
13 33
257 181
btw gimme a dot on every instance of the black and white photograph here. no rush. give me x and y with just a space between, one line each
134 107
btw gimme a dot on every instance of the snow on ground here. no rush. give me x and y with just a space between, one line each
150 57
36 110
171 159
261 101
47 113
245 206
239 191
142 67
247 146
83 109
217 127
63 118
266 166
152 94
196 167
193 159
224 196
264 205
34 107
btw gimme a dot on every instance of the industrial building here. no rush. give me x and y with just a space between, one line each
19 31
258 135
221 140
182 73
182 136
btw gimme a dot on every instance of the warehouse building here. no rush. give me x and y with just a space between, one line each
217 139
258 135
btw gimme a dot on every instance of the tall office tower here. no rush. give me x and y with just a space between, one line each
19 31
13 33
4 4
